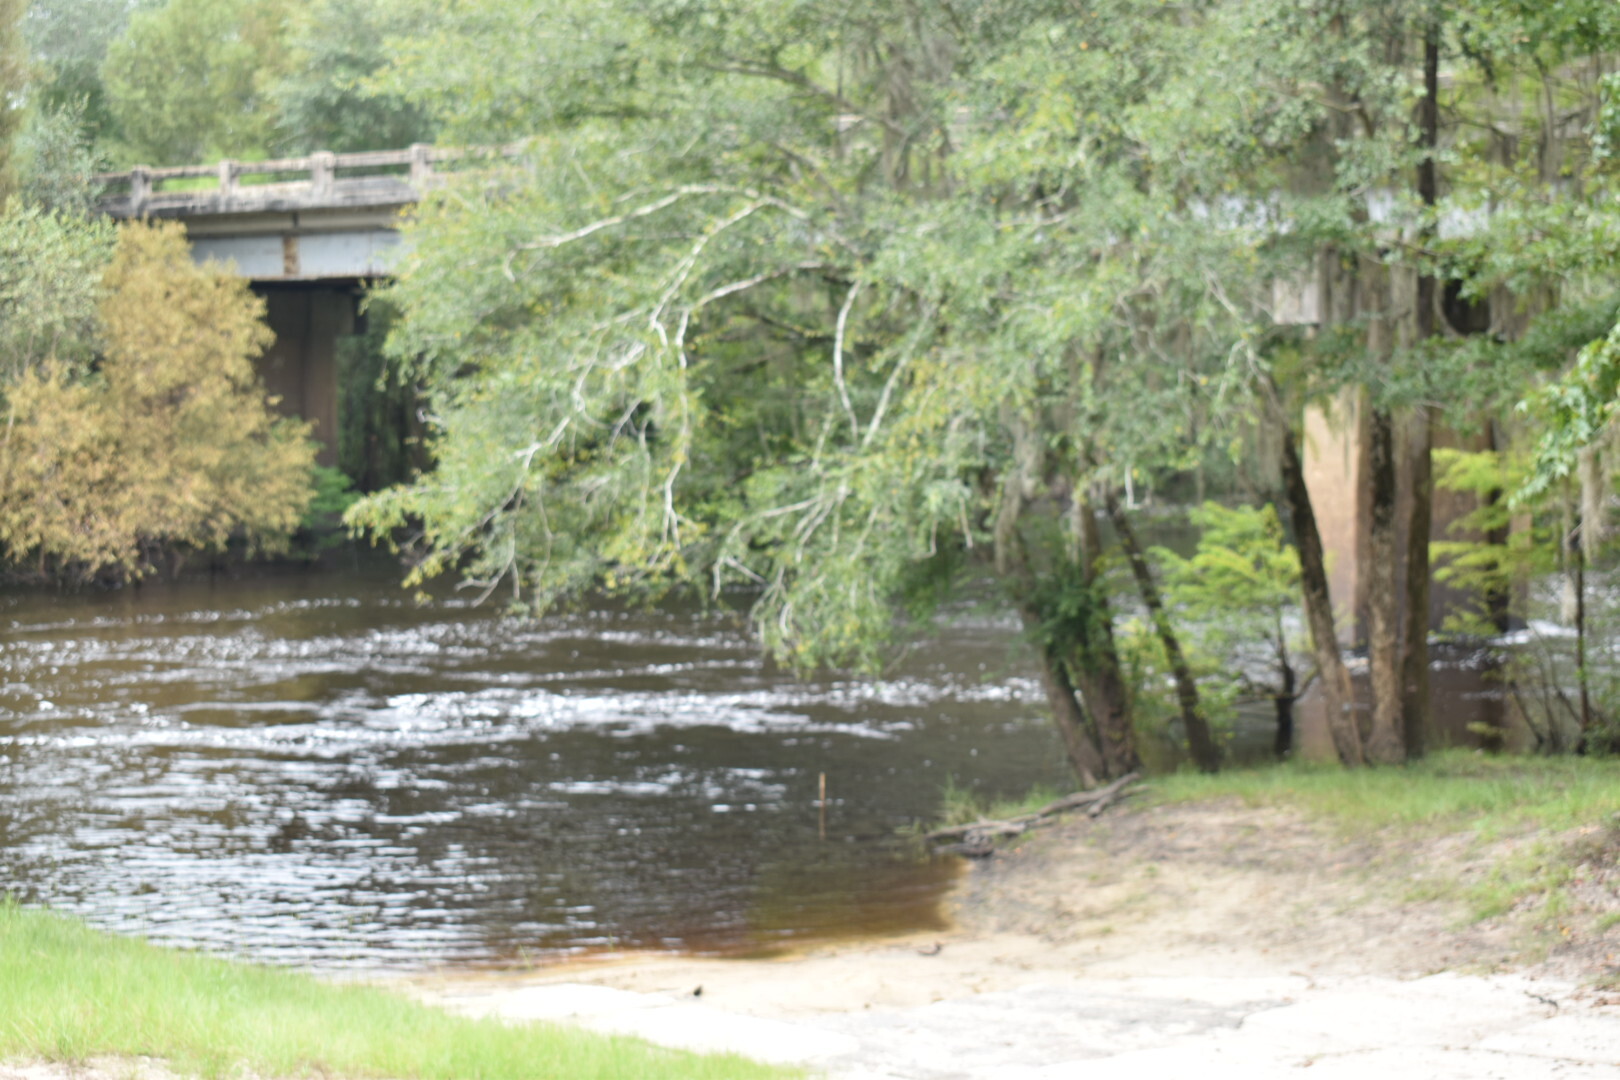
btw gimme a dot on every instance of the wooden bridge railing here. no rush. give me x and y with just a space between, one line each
323 179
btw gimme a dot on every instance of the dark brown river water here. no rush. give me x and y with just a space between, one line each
312 769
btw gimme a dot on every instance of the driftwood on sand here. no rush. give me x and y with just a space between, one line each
977 838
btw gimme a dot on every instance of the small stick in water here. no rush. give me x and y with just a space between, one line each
822 803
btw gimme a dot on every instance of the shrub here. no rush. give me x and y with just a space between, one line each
170 445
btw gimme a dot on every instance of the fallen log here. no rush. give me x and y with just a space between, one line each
1096 800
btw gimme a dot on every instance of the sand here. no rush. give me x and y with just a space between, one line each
1154 941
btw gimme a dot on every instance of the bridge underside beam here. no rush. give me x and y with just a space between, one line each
300 245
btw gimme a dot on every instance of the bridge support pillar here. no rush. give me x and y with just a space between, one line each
1338 475
301 367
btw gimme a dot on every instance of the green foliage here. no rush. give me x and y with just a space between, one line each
56 160
178 81
1241 589
68 993
67 44
377 407
51 266
185 81
1155 710
321 94
1243 565
1508 553
13 75
1490 563
170 446
759 305
333 494
1576 411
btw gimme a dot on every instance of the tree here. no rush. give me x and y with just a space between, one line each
57 161
1241 587
186 80
67 45
782 299
854 307
51 266
13 74
323 96
1568 469
1359 152
1542 265
170 446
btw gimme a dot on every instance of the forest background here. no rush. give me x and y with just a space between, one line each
846 312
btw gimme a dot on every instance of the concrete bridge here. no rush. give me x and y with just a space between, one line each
308 233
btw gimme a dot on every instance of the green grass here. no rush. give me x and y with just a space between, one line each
1491 795
961 805
68 993
1558 814
1565 810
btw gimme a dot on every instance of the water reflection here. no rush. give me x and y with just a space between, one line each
313 770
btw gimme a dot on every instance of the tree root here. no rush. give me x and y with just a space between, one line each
977 839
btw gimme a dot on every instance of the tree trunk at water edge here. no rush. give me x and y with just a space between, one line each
1283 741
1079 746
1200 740
1415 638
1095 662
1420 457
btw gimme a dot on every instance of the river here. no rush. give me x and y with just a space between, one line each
312 769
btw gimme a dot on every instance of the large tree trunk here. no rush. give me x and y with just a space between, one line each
1337 696
1079 746
1415 657
1094 662
1283 741
1050 636
1385 745
1415 638
1200 740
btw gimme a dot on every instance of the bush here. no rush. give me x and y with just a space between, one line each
170 445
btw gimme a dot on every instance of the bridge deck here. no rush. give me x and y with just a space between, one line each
373 179
324 217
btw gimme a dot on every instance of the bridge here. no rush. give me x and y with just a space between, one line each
309 233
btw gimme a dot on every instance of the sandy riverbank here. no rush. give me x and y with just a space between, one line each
1188 934
1210 940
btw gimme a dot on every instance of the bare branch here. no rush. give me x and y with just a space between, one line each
838 359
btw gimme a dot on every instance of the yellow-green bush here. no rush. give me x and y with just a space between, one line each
170 444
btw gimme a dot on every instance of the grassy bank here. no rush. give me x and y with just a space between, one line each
1489 795
1539 837
1529 830
68 993
1544 825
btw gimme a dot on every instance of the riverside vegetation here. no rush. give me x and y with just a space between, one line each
850 313
69 993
